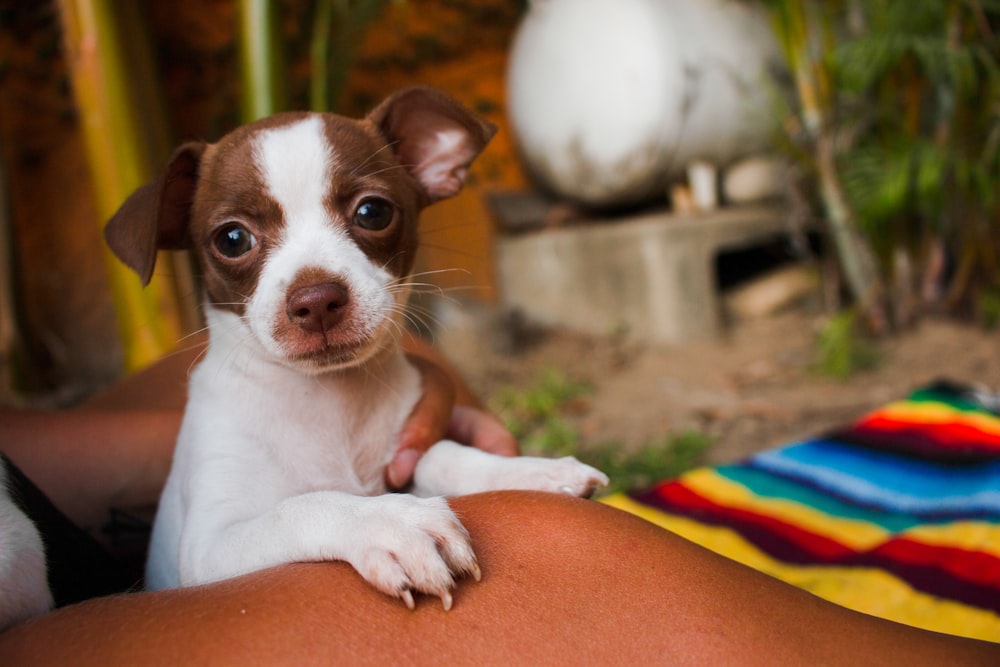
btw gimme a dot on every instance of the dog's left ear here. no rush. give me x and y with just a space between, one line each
434 137
156 215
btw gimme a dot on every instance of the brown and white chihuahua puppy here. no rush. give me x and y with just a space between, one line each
304 227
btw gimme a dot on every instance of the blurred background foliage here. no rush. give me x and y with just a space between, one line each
892 116
895 118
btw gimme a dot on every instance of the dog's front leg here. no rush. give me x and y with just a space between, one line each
397 542
450 469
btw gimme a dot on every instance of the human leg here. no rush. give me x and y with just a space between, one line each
111 452
564 581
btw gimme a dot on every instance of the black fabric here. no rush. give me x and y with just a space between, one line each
79 567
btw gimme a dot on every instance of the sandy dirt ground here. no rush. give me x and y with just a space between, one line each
754 388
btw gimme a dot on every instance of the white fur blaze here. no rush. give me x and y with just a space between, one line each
296 162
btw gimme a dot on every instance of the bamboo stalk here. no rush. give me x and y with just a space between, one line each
338 30
319 57
260 60
119 159
855 254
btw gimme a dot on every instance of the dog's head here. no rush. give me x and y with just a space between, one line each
304 225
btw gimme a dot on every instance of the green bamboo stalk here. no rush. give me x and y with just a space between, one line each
260 60
338 30
119 160
319 57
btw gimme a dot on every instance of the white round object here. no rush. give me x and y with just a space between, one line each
609 98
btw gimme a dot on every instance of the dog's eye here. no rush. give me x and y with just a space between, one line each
373 214
234 240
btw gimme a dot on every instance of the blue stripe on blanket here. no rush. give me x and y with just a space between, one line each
887 481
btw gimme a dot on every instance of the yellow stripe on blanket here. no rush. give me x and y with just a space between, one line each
977 536
868 590
853 533
910 412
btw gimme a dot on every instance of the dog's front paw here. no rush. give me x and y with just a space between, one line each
414 544
564 475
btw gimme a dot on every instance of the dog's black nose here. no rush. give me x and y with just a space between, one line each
317 308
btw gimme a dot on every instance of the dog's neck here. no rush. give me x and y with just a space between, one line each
340 420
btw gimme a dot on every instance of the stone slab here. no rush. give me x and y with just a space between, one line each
651 275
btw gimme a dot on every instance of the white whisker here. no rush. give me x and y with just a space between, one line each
357 170
385 169
437 272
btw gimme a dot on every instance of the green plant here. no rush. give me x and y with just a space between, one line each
921 83
842 348
338 28
536 418
534 415
989 308
261 59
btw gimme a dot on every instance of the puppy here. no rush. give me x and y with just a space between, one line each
24 587
304 227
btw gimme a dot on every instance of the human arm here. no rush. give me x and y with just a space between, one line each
447 409
88 461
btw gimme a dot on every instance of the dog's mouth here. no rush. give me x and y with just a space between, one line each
327 355
331 356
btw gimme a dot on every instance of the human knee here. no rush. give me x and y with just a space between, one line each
539 521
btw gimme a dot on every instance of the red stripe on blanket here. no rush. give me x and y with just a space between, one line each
937 442
951 432
780 539
945 572
972 566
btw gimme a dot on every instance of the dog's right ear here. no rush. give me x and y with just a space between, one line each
156 216
434 137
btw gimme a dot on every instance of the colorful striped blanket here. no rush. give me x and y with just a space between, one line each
897 515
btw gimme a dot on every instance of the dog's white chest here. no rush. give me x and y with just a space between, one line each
256 435
294 433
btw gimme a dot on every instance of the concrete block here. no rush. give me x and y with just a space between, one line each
651 275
